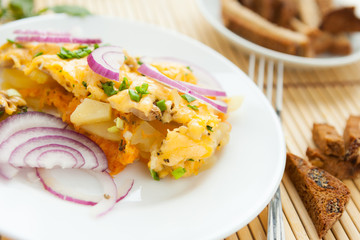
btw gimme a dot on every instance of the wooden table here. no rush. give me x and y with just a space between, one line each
327 95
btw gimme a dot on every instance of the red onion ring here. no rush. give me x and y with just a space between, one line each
204 78
41 33
59 39
156 75
106 61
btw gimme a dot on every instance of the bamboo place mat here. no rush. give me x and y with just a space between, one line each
328 95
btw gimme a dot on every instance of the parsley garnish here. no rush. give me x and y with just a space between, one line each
209 128
84 84
79 53
124 84
109 88
188 98
154 175
178 173
161 105
38 54
193 107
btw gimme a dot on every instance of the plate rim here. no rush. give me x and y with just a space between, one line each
289 60
282 147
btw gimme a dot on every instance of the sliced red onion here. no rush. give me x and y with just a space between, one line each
37 154
88 146
58 39
153 73
54 187
204 91
204 78
23 149
19 122
41 33
106 61
110 196
22 121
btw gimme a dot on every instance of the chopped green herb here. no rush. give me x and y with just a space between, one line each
38 54
22 109
143 89
134 95
113 129
209 128
18 45
178 173
188 98
84 84
154 175
125 57
124 84
79 53
60 70
73 85
193 107
140 91
190 160
139 62
109 89
161 105
96 46
188 67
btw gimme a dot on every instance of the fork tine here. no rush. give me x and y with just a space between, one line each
261 70
252 66
270 77
279 88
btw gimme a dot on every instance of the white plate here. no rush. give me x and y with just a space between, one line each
211 9
211 205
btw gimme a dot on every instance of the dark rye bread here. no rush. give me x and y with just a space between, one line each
334 165
323 195
328 140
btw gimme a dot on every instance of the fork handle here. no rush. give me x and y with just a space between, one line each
275 218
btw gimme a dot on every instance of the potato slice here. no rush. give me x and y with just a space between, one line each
91 111
101 130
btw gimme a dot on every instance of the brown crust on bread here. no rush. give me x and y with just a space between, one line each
352 130
256 29
323 195
340 20
328 140
334 165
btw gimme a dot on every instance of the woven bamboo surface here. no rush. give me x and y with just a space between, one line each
327 95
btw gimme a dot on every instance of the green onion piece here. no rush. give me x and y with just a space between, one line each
10 41
193 107
188 67
140 62
154 175
119 123
84 84
18 45
83 51
38 54
161 105
143 89
188 98
124 84
109 88
209 128
178 173
113 129
134 95
190 160
96 46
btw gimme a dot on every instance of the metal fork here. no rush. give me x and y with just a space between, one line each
275 230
